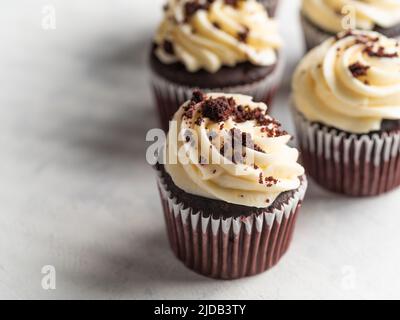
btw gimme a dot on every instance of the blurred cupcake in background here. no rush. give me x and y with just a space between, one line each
231 187
346 96
223 46
271 6
322 19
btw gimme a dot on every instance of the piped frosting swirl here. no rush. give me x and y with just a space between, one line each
210 34
329 14
229 149
351 82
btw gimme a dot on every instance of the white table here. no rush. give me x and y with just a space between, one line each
77 194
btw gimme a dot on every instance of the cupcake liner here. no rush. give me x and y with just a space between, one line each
354 165
229 248
392 32
313 35
170 96
271 6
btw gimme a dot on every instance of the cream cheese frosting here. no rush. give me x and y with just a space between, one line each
210 34
351 82
262 166
329 14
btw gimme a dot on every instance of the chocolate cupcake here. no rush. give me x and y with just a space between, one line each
322 19
220 46
231 188
346 96
271 6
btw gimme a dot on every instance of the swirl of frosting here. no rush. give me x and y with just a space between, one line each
229 149
351 82
206 34
329 14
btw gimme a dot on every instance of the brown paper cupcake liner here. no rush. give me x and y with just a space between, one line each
170 96
271 6
313 35
229 248
354 165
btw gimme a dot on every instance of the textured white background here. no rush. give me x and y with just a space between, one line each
76 193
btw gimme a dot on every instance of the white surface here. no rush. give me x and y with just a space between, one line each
76 193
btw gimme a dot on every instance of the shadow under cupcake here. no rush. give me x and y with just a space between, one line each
232 197
217 47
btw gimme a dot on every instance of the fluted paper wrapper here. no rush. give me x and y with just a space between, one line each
271 6
229 248
313 36
354 165
170 96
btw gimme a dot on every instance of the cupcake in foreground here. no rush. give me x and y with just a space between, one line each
322 19
231 188
346 96
223 46
271 6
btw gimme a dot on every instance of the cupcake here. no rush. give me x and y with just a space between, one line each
223 46
231 187
346 95
322 19
271 6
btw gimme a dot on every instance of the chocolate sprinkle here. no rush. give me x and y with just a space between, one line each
222 108
358 69
191 8
168 47
244 35
380 53
219 109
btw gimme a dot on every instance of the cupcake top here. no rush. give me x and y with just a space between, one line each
328 14
351 82
210 34
227 148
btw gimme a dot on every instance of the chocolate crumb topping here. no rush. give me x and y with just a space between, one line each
244 34
219 109
222 108
192 7
233 3
197 96
168 47
216 25
358 69
270 181
380 53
